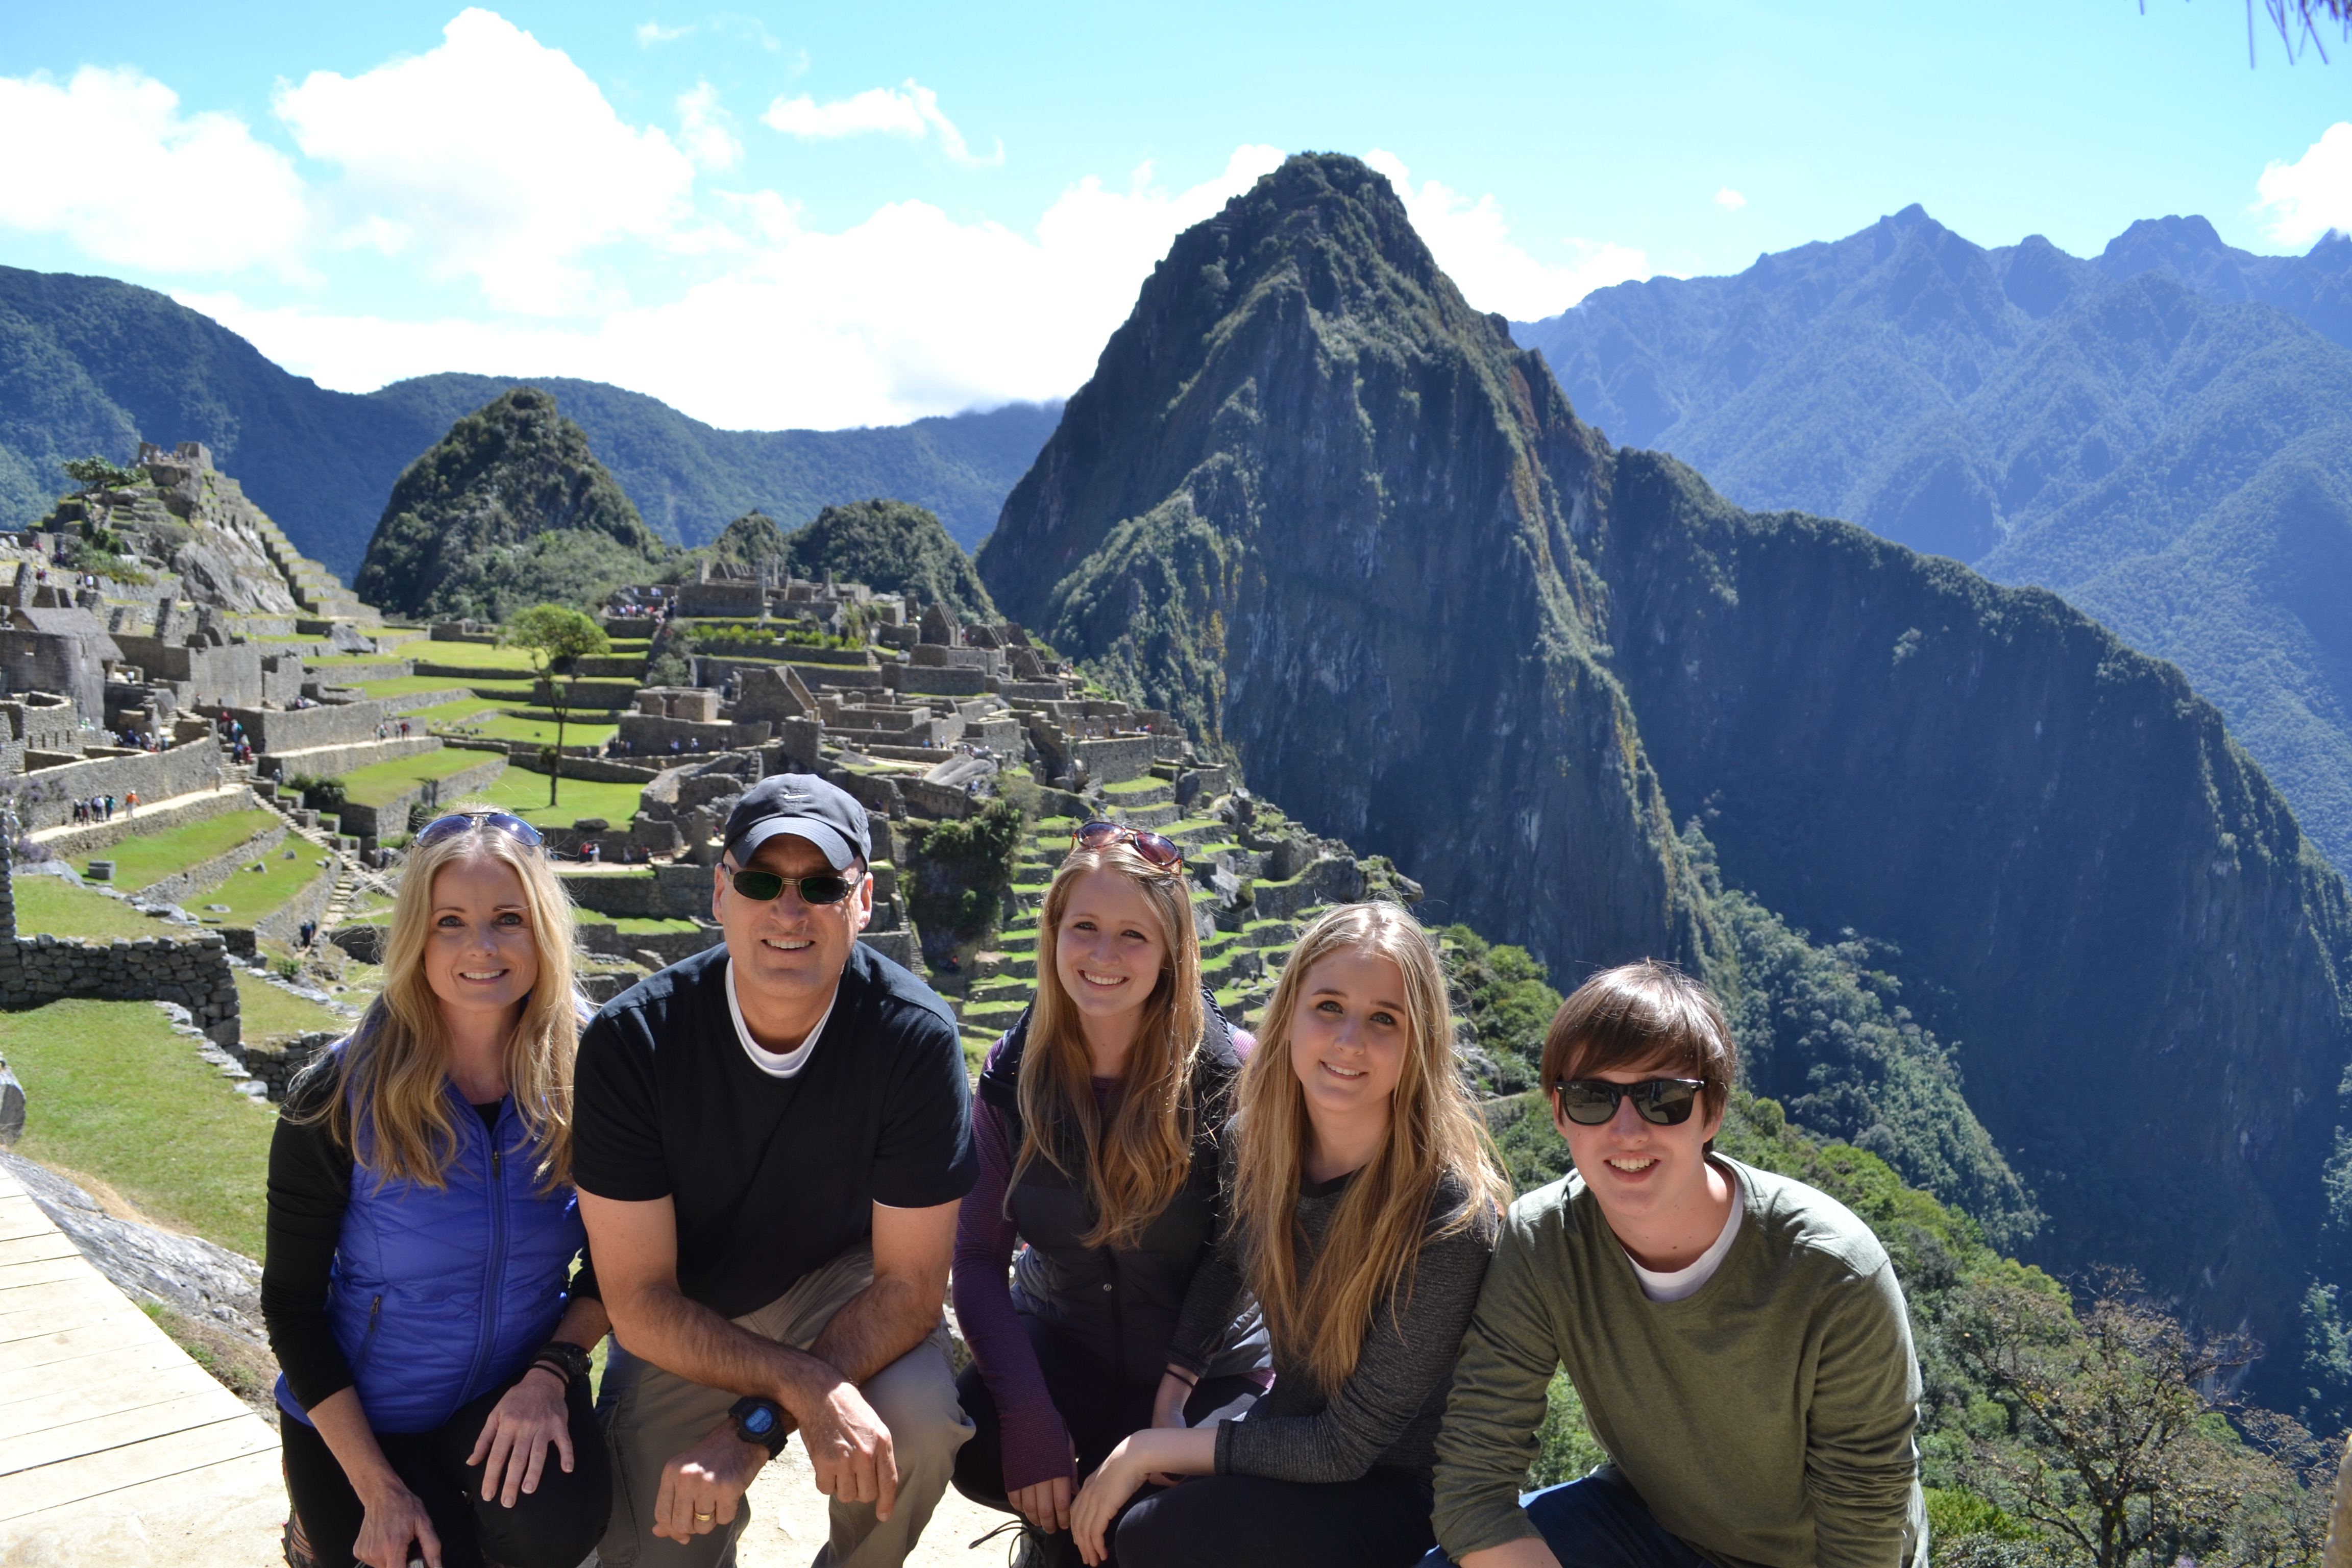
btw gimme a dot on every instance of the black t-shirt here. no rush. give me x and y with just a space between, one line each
771 1178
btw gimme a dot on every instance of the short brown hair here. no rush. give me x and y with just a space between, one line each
1640 1014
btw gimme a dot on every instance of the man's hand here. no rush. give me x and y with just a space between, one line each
701 1488
850 1447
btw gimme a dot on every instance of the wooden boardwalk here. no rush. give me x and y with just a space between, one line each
116 1449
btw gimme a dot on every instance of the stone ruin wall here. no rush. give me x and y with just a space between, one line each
194 973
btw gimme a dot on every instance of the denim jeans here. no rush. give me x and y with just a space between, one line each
1598 1523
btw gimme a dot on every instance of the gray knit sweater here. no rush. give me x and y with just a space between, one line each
1386 1415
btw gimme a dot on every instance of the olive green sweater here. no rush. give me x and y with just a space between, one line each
1767 1419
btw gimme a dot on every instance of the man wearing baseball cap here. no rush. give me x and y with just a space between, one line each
770 1141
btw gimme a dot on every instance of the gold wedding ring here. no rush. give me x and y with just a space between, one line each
705 1518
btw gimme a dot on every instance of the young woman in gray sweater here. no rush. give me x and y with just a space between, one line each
1365 1204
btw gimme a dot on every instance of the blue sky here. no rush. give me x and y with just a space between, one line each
846 215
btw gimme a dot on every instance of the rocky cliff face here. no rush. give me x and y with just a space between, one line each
1315 504
2139 956
1320 507
507 509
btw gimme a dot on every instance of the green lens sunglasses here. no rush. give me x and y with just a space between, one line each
765 887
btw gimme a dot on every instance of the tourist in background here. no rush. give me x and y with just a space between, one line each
773 1137
1738 1340
1099 1126
422 1231
1365 1199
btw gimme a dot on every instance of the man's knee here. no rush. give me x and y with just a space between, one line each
916 1398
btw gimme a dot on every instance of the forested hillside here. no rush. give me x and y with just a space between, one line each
91 365
2162 435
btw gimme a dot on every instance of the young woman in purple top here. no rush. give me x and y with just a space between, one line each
1100 1120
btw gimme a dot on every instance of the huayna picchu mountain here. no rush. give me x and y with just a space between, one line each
1317 506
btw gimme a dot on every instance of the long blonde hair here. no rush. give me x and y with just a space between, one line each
390 1073
1318 1320
1132 1168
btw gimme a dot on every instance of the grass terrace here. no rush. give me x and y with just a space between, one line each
140 862
525 795
117 1101
267 1013
474 656
379 782
497 726
400 686
249 894
55 906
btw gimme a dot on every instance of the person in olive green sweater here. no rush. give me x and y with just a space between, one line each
1739 1339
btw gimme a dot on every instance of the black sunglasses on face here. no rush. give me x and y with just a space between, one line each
1665 1101
1155 850
763 886
449 826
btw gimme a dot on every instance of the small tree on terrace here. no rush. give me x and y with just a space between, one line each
557 638
96 473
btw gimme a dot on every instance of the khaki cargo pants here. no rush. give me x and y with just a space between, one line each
650 1416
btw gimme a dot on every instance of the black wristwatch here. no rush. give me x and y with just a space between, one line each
562 1356
761 1421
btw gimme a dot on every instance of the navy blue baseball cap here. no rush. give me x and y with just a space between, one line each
805 806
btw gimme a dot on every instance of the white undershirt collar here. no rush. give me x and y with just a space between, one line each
1681 1283
774 1065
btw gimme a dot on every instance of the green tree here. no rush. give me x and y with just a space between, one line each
2124 1459
95 473
557 638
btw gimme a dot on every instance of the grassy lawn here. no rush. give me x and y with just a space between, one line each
641 925
152 857
379 782
250 895
111 1093
502 690
268 1013
525 795
53 905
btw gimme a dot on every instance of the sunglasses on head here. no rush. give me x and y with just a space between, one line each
449 826
1665 1101
1155 850
763 886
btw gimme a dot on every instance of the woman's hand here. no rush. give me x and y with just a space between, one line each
513 1444
1046 1505
393 1518
1105 1493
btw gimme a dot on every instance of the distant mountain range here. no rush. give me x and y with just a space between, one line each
91 364
2163 434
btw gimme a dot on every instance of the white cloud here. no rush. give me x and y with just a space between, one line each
1729 200
912 112
652 33
109 160
908 313
1471 242
704 128
2314 193
491 156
